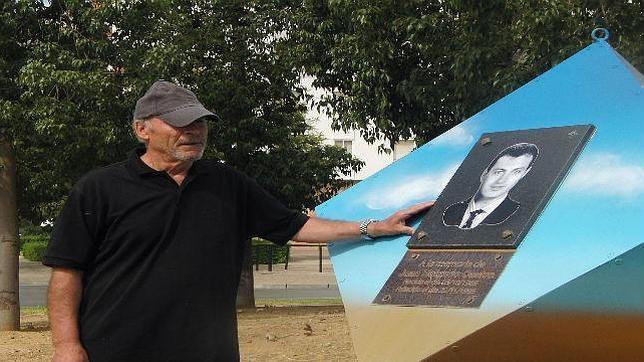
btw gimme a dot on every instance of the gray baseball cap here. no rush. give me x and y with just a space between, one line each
173 104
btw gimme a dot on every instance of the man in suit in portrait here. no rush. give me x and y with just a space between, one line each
491 204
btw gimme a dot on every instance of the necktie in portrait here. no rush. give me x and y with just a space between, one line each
470 219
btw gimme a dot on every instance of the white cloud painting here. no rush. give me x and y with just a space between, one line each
457 136
607 174
413 188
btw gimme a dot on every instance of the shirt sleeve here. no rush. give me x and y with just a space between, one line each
73 241
268 218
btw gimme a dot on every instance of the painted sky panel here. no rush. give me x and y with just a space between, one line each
594 216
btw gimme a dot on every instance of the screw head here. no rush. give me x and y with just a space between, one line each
506 234
485 141
421 235
386 298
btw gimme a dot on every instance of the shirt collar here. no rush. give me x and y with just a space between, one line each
141 168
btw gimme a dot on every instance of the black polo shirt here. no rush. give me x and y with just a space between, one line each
162 262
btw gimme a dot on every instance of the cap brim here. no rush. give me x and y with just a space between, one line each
186 115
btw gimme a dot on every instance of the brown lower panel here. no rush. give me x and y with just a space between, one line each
529 335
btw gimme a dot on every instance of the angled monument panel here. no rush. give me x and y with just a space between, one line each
594 216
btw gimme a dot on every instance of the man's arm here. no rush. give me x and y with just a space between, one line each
65 291
318 230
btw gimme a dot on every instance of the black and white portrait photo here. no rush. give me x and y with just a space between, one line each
500 188
492 204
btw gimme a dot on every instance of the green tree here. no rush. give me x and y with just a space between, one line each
419 67
234 55
83 64
68 115
10 62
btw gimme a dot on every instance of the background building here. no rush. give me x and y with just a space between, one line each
352 141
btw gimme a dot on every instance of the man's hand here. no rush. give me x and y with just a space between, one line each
70 352
318 230
397 223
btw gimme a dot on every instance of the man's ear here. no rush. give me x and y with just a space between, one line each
140 129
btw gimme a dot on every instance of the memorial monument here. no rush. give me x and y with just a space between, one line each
535 247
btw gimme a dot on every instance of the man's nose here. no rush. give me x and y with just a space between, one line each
503 179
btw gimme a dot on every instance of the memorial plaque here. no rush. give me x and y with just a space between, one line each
490 203
444 278
501 188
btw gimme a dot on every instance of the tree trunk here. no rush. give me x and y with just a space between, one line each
9 303
246 290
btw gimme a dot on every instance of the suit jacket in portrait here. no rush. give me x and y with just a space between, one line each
453 214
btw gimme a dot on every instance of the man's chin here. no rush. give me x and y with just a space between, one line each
188 156
490 196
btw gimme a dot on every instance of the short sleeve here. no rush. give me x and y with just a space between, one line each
268 218
73 241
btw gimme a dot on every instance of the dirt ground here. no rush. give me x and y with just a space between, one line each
265 334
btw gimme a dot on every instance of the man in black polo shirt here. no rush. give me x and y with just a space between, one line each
147 253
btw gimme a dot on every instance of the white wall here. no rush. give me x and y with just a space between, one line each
368 153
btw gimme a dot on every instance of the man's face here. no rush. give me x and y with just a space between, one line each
177 143
503 175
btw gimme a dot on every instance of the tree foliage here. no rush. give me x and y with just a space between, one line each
419 67
69 114
75 69
70 72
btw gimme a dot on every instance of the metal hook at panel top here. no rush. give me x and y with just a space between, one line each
600 34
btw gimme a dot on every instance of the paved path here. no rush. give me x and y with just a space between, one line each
34 278
302 280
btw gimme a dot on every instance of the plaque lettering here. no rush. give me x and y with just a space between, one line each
456 278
